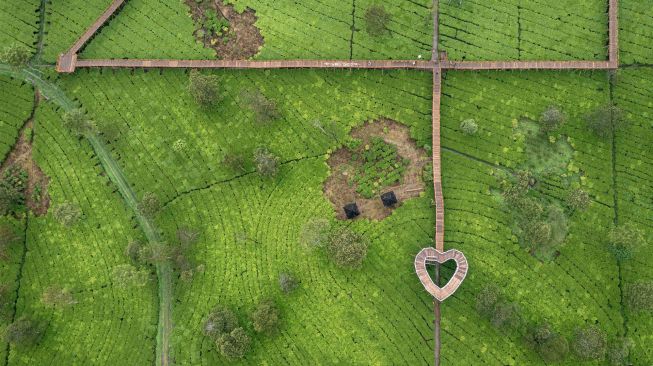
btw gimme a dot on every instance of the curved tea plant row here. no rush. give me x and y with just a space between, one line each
20 22
524 30
16 104
164 271
635 31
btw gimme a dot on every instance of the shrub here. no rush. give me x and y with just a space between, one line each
125 275
57 297
267 164
265 109
606 120
265 317
315 233
67 214
624 240
551 119
179 145
506 316
235 162
5 302
287 282
12 190
590 343
220 321
486 300
618 352
639 296
376 20
133 249
23 332
155 253
578 199
347 248
204 88
149 205
552 347
16 55
235 344
8 237
469 127
78 123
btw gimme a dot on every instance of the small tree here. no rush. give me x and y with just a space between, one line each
235 162
606 120
267 164
578 199
133 249
265 317
155 253
347 248
639 296
618 351
551 346
187 236
57 297
469 127
315 233
16 55
265 109
78 122
376 20
23 332
624 240
590 343
287 282
220 321
506 316
235 344
149 205
125 275
551 119
67 214
486 300
205 89
12 190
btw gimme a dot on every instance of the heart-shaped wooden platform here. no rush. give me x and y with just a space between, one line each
432 256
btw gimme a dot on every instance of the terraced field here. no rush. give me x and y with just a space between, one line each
20 22
524 30
636 33
16 102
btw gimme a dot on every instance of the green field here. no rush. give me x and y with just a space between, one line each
16 102
20 22
524 30
635 31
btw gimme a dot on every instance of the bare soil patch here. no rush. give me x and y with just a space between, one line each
239 41
36 191
341 190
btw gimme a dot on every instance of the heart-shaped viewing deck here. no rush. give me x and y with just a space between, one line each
434 256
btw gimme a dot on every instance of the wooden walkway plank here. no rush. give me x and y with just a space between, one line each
527 65
436 159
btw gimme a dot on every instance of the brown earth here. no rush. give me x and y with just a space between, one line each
339 190
21 156
243 39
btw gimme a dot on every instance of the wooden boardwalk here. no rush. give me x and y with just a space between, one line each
527 65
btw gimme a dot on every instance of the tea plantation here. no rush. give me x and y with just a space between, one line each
172 216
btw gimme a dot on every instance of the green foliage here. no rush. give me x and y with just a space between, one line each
220 321
639 296
315 233
16 55
469 127
376 20
501 313
624 241
265 109
579 200
235 344
78 122
155 253
265 317
606 120
378 165
267 164
235 162
67 213
57 297
618 351
214 23
149 205
551 346
24 332
347 248
287 282
8 237
12 190
126 275
551 119
205 89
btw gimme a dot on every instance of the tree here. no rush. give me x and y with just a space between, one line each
265 109
16 55
57 297
590 343
551 346
78 122
376 20
606 120
346 248
578 199
287 282
8 237
506 316
624 240
205 89
220 321
618 351
67 214
235 344
315 233
12 190
23 332
267 164
639 296
551 119
125 275
469 127
187 236
149 205
235 162
486 300
133 249
265 317
155 253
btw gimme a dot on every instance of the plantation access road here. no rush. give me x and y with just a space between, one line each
164 270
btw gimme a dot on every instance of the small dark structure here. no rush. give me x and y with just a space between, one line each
389 199
351 210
